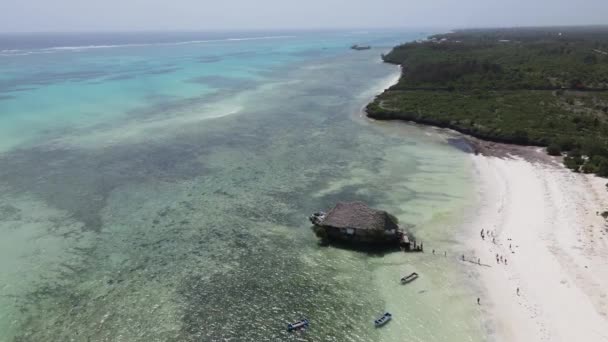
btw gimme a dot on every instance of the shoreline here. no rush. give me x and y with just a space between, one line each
547 226
374 92
460 290
413 118
545 220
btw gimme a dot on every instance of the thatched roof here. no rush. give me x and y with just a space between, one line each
358 215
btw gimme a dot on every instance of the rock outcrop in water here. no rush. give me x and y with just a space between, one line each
355 222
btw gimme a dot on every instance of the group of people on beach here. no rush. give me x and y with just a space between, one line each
499 258
489 233
483 233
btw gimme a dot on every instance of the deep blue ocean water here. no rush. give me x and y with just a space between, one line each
155 187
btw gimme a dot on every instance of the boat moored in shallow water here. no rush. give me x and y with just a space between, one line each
360 47
383 320
298 325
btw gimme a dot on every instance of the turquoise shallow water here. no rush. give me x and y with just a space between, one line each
159 192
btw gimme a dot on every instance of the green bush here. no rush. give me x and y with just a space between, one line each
554 150
573 163
589 168
602 170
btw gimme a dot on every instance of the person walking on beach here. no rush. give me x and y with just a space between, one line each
433 252
518 291
463 257
505 261
478 301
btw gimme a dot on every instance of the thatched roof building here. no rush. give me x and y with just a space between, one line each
357 215
356 222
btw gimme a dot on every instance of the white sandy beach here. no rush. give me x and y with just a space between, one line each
546 224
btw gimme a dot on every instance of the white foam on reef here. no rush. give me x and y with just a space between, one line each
17 52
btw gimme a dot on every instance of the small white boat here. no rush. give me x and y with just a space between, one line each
383 320
297 325
407 279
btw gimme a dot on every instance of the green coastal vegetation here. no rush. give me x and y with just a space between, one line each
528 86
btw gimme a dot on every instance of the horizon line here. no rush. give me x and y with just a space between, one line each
301 29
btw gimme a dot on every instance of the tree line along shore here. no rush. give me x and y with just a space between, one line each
526 86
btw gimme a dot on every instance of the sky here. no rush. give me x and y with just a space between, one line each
146 15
